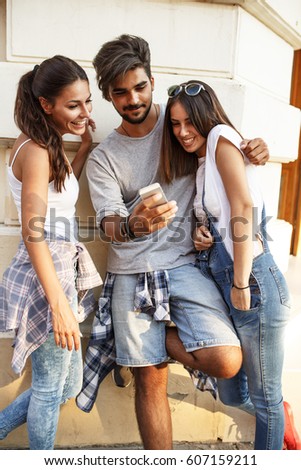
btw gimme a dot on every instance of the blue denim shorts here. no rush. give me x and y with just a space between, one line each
197 309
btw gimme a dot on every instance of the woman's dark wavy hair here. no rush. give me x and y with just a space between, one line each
48 81
204 111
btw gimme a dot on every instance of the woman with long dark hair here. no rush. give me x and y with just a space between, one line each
44 284
199 138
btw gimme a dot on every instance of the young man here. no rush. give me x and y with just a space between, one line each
151 273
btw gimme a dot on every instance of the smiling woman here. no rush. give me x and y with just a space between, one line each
197 130
39 295
71 110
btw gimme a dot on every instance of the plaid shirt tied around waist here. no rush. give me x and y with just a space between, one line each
23 304
152 297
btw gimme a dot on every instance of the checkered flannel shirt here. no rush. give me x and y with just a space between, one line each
152 297
23 304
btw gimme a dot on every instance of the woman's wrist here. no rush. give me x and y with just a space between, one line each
86 147
241 287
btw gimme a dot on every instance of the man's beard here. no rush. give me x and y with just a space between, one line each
137 120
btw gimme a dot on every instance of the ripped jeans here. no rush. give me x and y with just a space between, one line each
56 377
257 388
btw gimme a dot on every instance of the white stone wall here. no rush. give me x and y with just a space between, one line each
247 63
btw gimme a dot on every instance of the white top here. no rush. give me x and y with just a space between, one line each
216 200
60 216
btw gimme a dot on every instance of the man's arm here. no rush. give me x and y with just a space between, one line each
104 190
145 219
256 150
112 215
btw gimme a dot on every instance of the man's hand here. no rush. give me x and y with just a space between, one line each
256 150
147 217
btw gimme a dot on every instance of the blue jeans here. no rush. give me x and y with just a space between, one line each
261 332
56 377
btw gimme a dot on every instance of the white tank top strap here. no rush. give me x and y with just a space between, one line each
17 151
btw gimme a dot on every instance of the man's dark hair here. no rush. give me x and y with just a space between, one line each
115 58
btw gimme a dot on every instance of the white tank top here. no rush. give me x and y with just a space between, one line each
60 216
216 199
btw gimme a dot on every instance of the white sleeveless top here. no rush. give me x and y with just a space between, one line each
216 199
60 216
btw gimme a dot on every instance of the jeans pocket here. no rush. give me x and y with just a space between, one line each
245 318
281 286
256 297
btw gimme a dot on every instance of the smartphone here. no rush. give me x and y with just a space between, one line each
151 190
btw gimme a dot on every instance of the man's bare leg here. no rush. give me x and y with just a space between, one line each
218 361
152 407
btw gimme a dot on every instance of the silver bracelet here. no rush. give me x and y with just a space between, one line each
125 229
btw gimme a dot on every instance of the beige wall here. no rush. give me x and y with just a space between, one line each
196 416
248 60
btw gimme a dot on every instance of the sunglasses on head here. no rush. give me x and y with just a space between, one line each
191 89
